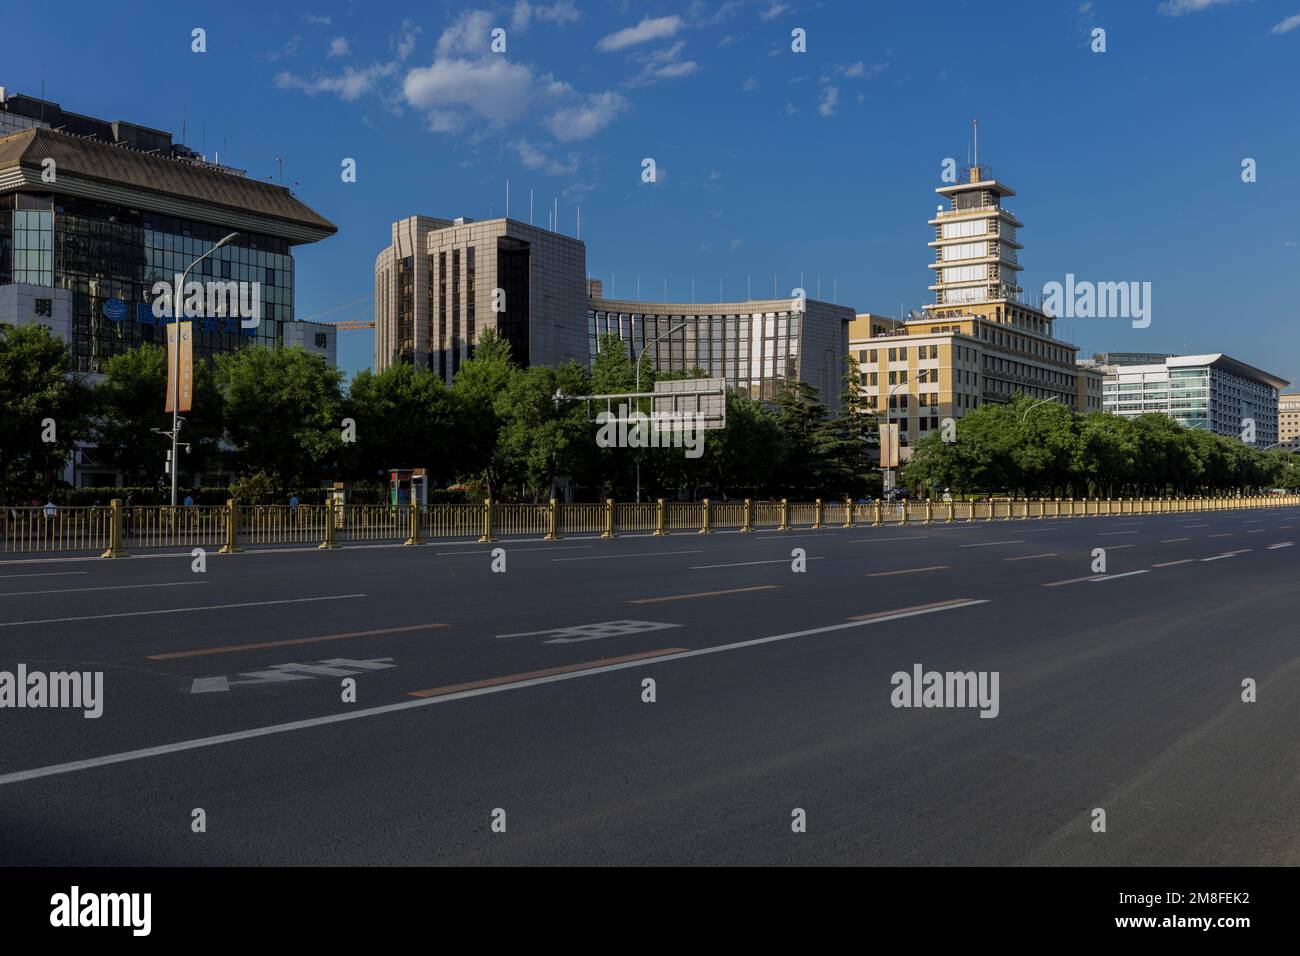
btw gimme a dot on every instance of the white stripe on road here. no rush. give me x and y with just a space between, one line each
178 610
115 587
1226 554
745 564
642 554
910 537
1106 534
989 544
571 547
161 751
1281 544
43 574
1126 574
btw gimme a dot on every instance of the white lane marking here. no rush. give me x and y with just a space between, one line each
593 632
1030 557
910 537
786 537
1252 521
641 554
178 610
1170 564
1126 574
43 574
574 547
165 749
744 564
989 544
1280 544
279 673
1173 540
1106 534
1206 525
1226 554
115 587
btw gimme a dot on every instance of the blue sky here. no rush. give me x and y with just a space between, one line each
1127 163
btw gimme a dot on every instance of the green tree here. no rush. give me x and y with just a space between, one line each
129 403
283 413
478 383
406 418
37 392
849 442
540 443
802 417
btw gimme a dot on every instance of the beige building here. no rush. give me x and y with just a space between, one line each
978 342
1288 421
441 283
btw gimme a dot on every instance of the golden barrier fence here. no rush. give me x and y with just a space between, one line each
117 530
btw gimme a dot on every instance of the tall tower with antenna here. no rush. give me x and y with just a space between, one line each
976 250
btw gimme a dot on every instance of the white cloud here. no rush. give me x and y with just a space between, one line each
469 34
494 89
830 99
560 12
587 118
405 44
339 47
350 85
737 243
534 158
649 29
317 21
750 85
1176 8
860 71
1287 25
774 10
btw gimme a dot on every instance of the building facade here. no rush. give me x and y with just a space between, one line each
1214 391
755 346
94 213
979 342
1288 421
441 283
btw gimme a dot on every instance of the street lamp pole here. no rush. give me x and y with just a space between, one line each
637 362
920 381
178 298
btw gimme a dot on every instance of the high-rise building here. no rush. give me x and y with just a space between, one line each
1214 391
1288 421
441 283
979 341
93 213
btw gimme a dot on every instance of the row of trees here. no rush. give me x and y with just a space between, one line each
283 418
1047 450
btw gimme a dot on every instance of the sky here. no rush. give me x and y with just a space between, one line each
1127 164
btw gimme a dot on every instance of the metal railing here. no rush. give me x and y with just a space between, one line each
116 530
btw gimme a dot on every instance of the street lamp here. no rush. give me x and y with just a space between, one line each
1026 412
637 360
178 297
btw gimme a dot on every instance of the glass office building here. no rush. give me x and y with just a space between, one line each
98 212
1215 392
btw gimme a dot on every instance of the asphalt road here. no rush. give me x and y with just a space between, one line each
479 690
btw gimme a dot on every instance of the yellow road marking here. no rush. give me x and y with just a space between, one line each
232 648
683 597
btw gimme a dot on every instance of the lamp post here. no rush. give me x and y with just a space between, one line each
178 298
1026 412
637 361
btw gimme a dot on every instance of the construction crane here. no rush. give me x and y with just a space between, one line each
347 325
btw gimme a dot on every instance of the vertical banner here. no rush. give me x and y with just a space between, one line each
185 331
888 446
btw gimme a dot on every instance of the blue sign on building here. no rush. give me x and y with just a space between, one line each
114 310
